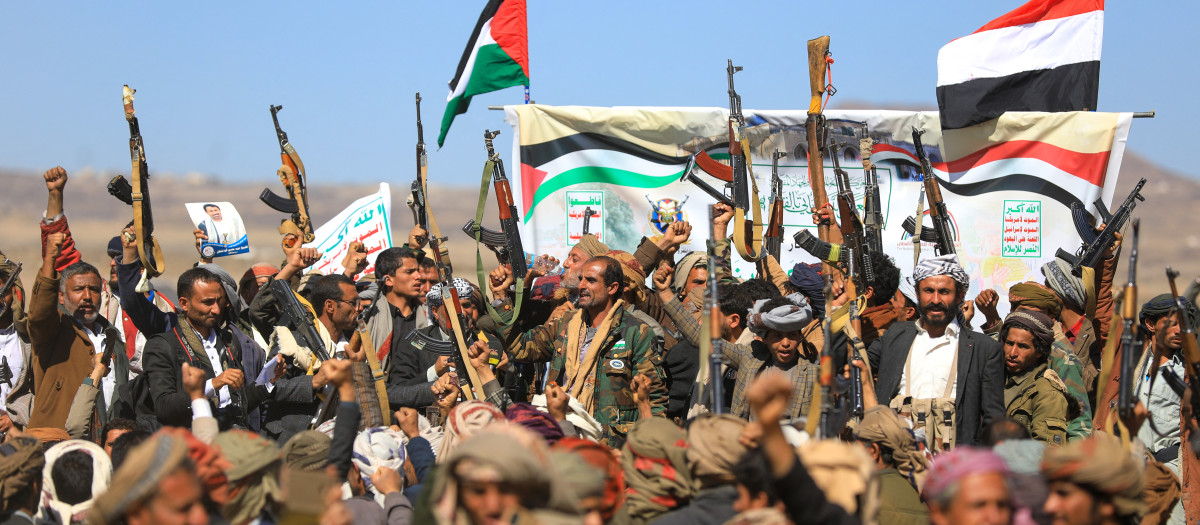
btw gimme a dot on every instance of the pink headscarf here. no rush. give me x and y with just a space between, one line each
951 467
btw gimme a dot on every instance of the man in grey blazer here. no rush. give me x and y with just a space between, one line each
925 349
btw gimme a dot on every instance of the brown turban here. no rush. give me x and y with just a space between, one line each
591 245
656 470
881 425
253 474
714 448
1101 465
1037 296
308 450
21 463
49 435
139 476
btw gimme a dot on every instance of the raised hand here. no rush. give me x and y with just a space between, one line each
417 237
768 396
56 181
193 381
355 260
499 280
662 277
54 244
406 419
200 238
557 401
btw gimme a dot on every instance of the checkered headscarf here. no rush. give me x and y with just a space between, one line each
942 265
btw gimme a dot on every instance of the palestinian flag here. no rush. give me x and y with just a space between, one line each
1042 56
589 157
1063 156
497 56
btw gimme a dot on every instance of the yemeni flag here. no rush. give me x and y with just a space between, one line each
1042 56
1064 156
497 56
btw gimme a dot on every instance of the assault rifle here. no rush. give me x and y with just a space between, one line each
8 286
856 345
872 210
1132 341
852 229
294 178
1095 244
302 323
137 195
941 233
416 201
739 178
815 132
1190 351
773 239
510 221
710 343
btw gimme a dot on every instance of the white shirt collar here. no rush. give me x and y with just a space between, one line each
951 329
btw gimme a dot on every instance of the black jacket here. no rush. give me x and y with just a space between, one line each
162 361
980 379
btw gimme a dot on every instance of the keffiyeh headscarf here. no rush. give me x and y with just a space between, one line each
465 420
942 265
51 508
603 458
21 462
1078 292
307 451
713 447
434 296
377 448
535 420
656 471
253 474
881 425
139 476
688 263
787 318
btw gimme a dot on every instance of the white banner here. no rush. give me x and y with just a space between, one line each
367 220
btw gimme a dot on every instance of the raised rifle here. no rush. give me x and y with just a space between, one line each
1190 352
815 133
852 229
1132 338
941 234
298 317
853 333
137 195
1096 243
8 286
872 209
738 177
510 221
773 238
416 201
710 356
294 180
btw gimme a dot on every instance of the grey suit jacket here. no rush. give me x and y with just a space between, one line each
980 381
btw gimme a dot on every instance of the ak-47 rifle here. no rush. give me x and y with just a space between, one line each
856 343
773 239
416 201
1132 342
827 424
441 257
1190 353
815 133
137 195
739 178
588 213
510 221
710 356
852 229
298 318
872 210
941 233
1095 244
294 180
8 286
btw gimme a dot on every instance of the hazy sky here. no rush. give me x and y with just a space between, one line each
345 73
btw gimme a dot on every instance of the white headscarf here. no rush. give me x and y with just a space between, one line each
50 509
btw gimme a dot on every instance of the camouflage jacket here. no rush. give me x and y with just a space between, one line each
1070 370
631 348
1037 399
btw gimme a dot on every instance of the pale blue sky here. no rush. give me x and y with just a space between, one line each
345 73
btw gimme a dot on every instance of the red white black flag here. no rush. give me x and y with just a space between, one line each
1042 56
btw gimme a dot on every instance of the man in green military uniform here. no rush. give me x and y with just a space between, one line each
597 349
1033 394
1062 359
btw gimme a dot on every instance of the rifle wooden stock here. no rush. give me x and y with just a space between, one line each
723 172
149 252
813 128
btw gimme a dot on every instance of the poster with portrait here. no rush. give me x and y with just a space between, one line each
223 225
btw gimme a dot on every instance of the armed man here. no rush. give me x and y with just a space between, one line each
947 379
15 353
595 351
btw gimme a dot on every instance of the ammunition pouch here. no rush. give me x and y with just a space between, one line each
932 418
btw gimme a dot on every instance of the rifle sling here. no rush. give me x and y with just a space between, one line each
460 341
153 262
751 249
484 190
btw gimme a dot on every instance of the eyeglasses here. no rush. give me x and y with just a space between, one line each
352 303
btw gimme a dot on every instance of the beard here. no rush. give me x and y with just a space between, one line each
951 313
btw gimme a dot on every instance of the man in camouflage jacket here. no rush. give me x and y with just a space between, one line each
596 350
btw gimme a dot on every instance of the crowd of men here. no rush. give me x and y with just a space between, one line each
588 403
